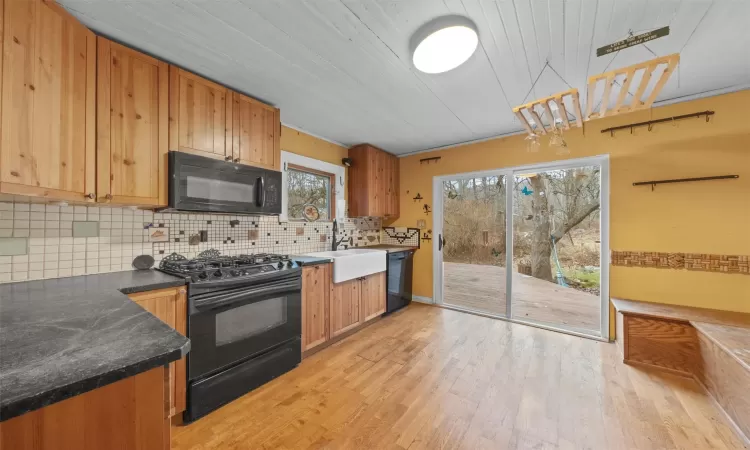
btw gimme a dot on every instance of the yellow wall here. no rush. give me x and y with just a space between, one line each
701 217
303 144
294 141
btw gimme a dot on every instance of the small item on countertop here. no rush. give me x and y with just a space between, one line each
311 213
143 262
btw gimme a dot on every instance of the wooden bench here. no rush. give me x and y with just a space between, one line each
711 346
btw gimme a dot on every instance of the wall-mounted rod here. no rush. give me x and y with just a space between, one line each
650 123
683 180
429 160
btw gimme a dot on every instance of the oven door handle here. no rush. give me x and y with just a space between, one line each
219 301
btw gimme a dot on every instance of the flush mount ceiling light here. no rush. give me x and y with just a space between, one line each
443 44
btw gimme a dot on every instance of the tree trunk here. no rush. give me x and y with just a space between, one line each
541 248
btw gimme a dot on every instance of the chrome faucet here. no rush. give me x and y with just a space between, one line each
335 243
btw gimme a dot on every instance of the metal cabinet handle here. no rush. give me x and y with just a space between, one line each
92 196
227 158
182 291
236 160
108 196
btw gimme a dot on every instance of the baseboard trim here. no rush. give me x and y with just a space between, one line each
420 299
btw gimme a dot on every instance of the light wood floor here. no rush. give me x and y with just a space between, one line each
482 288
429 378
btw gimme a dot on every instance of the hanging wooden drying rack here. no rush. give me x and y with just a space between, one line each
621 106
559 101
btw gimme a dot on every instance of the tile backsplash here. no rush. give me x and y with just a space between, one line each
117 235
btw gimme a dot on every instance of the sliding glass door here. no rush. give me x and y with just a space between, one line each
550 268
557 248
473 243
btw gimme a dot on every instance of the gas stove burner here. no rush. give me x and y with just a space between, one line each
211 266
210 253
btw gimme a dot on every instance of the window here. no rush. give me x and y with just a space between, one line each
309 187
307 172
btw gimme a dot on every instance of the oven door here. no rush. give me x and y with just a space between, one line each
197 183
230 326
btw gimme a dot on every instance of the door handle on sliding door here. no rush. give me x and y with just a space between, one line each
441 242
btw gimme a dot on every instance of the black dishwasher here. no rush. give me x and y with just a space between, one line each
399 273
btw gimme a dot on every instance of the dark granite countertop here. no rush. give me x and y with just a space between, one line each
303 260
392 248
62 337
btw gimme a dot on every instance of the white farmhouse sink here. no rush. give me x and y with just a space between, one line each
354 263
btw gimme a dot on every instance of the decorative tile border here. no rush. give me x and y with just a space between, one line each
689 261
401 236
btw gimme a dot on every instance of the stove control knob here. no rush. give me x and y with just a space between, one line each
280 265
203 275
235 273
289 264
218 274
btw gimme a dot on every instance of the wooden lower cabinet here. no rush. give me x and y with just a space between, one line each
373 296
127 414
170 305
344 310
355 302
316 292
331 309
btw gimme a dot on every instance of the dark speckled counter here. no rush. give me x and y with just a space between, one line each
392 248
303 260
63 337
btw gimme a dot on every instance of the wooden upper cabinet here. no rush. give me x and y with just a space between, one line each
373 182
393 206
200 115
48 103
257 131
132 126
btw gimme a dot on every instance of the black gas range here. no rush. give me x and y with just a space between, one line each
244 323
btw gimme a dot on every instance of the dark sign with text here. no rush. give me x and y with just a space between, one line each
632 41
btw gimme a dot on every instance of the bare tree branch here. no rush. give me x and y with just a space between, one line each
573 221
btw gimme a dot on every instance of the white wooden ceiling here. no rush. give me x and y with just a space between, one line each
341 69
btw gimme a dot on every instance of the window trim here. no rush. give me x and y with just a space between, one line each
339 171
331 194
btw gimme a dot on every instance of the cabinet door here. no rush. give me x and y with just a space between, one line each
200 115
344 310
132 126
373 296
316 291
377 182
47 148
256 133
392 207
170 306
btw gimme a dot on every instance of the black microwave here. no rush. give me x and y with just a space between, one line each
202 184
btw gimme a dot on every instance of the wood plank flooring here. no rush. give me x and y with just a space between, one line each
482 288
429 378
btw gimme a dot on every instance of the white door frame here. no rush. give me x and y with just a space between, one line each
437 210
